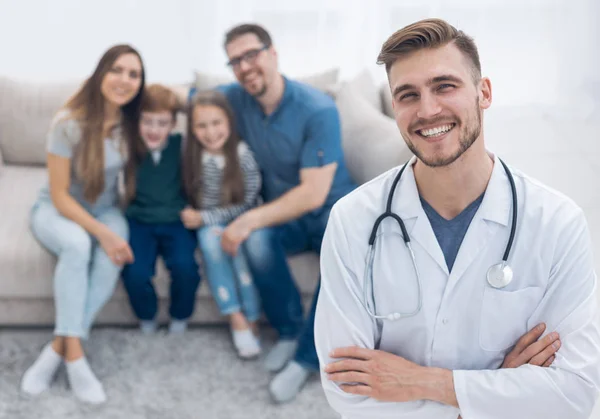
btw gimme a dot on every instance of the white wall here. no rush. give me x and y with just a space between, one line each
537 52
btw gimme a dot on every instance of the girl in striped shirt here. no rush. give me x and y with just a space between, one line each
222 180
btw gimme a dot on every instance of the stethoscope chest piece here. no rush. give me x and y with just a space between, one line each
499 275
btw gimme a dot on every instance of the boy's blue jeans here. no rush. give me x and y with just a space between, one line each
267 250
229 277
177 246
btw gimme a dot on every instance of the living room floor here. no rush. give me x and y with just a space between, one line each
154 377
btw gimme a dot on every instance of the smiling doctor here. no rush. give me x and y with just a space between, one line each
432 271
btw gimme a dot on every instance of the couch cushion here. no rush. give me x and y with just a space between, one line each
205 81
26 110
25 264
371 140
386 100
364 84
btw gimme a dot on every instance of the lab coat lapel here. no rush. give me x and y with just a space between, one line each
408 205
493 214
423 234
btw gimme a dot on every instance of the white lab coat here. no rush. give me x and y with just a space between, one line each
465 325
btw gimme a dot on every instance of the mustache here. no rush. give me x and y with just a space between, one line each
247 73
440 120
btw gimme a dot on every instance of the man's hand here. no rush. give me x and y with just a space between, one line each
387 377
236 233
530 350
191 218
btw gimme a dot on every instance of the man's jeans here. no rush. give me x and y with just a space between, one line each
267 250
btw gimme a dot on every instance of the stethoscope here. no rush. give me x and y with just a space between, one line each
498 275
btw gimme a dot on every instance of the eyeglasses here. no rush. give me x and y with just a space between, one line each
249 56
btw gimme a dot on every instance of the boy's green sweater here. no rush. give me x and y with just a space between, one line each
159 196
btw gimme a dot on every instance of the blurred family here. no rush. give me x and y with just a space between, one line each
252 181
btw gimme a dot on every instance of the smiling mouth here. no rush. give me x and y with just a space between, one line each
215 141
251 77
121 92
436 131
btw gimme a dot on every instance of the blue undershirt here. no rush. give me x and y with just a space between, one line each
450 233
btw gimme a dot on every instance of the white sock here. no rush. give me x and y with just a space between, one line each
287 384
147 327
245 343
84 383
280 354
39 376
177 327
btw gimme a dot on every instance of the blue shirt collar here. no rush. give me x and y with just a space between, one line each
288 94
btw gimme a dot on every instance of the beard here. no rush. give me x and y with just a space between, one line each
260 92
467 136
262 86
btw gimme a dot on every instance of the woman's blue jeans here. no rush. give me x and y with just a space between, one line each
85 277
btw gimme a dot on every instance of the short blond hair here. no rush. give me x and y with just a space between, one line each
428 33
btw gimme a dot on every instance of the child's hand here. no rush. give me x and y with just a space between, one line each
191 218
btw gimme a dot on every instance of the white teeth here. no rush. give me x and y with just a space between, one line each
436 131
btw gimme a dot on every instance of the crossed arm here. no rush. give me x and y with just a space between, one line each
386 382
386 377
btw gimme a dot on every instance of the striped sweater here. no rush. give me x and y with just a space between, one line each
211 210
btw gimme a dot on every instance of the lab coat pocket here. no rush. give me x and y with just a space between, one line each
504 316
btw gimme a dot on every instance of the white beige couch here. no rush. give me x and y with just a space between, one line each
370 138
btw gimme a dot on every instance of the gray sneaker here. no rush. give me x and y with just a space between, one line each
280 354
287 384
148 327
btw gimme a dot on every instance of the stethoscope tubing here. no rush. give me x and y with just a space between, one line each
368 274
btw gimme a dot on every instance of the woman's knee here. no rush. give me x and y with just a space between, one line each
116 222
76 242
59 234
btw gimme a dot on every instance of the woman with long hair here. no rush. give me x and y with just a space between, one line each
93 146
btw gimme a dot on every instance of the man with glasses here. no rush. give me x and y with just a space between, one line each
294 132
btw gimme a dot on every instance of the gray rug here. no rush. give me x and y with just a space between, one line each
157 377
